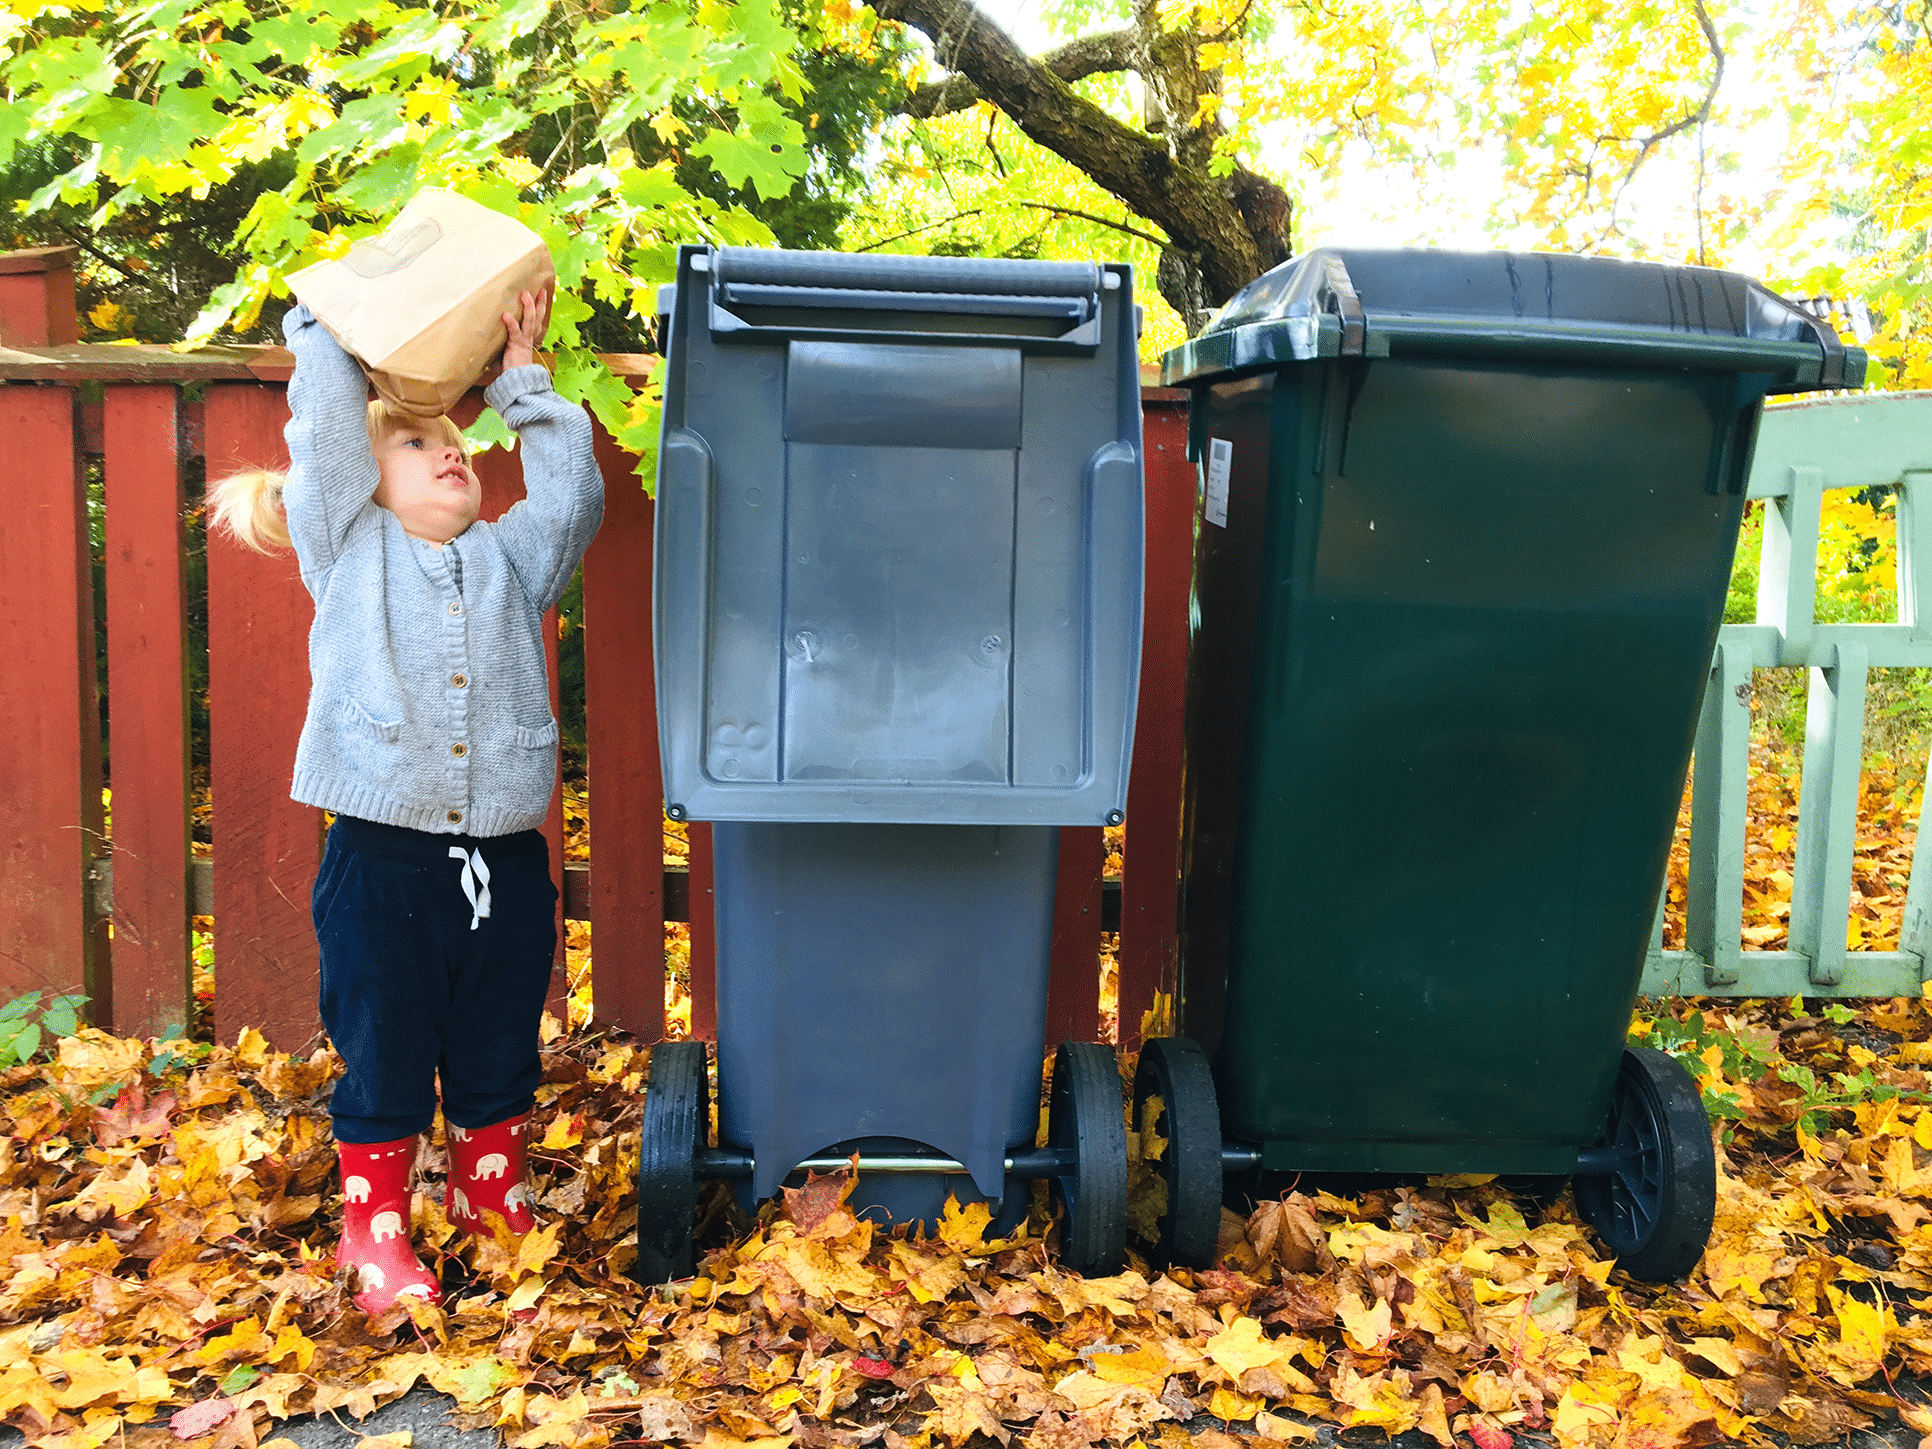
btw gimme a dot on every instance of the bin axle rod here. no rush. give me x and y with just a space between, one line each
730 1162
1236 1158
1604 1161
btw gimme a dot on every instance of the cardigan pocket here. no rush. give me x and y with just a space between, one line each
387 730
541 738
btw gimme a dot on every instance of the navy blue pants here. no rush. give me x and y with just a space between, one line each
418 983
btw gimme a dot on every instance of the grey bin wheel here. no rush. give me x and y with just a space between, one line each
1175 1069
677 1112
1654 1210
1085 1124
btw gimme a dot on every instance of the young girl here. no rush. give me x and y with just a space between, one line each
429 734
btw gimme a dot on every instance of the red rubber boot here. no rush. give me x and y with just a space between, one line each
486 1166
375 1224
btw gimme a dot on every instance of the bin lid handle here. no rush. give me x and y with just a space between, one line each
1343 301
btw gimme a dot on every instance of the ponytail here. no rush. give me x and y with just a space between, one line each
247 506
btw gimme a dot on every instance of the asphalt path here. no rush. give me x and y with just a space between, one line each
426 1414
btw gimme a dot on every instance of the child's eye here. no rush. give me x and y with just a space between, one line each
414 443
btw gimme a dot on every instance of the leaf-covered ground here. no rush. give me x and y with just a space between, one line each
168 1216
168 1212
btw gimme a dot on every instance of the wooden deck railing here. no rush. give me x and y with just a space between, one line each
134 407
1806 450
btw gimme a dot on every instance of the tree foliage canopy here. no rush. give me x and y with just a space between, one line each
541 110
228 142
1787 137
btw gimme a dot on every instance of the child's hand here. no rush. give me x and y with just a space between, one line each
526 328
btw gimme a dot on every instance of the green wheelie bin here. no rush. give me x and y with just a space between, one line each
1465 530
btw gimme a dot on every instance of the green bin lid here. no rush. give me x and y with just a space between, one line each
1347 302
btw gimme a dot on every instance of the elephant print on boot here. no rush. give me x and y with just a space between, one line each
488 1163
375 1224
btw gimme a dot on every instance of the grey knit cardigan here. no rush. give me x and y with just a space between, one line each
429 706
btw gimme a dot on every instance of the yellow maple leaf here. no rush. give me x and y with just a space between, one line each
244 1341
1379 1401
1366 1329
1432 1415
1227 1404
1859 1351
538 1247
668 126
1275 1426
716 1438
92 1058
1145 1367
1720 1353
926 1279
251 1050
121 1192
963 1229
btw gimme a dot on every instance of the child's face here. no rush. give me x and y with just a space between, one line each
426 483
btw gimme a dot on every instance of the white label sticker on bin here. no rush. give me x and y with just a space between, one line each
1220 461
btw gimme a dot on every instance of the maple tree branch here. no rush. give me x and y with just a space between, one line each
886 241
1148 237
1102 53
1692 118
1185 202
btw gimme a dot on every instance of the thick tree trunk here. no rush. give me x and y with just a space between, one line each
1222 232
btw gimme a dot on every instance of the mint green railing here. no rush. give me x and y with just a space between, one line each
1805 450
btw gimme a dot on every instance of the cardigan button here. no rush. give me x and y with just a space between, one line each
456 817
459 750
459 680
456 608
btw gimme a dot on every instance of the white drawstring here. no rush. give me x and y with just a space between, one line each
474 871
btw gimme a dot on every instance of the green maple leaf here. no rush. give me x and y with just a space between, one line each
478 1379
766 150
132 133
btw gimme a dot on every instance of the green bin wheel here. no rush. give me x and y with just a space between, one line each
1086 1126
1175 1069
677 1111
1654 1211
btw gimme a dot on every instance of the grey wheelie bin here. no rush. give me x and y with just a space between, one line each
1465 529
898 593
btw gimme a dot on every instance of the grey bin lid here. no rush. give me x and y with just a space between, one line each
899 539
1520 305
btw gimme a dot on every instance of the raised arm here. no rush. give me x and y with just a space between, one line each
332 470
545 535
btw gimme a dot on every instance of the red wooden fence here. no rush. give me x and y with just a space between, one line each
265 846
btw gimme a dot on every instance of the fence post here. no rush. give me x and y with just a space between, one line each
627 888
1150 879
703 926
1915 611
50 750
37 298
1828 813
1073 975
147 658
1788 567
1714 900
267 848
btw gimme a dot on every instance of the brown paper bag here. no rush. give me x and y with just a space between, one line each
421 306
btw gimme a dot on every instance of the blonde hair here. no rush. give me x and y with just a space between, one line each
247 506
